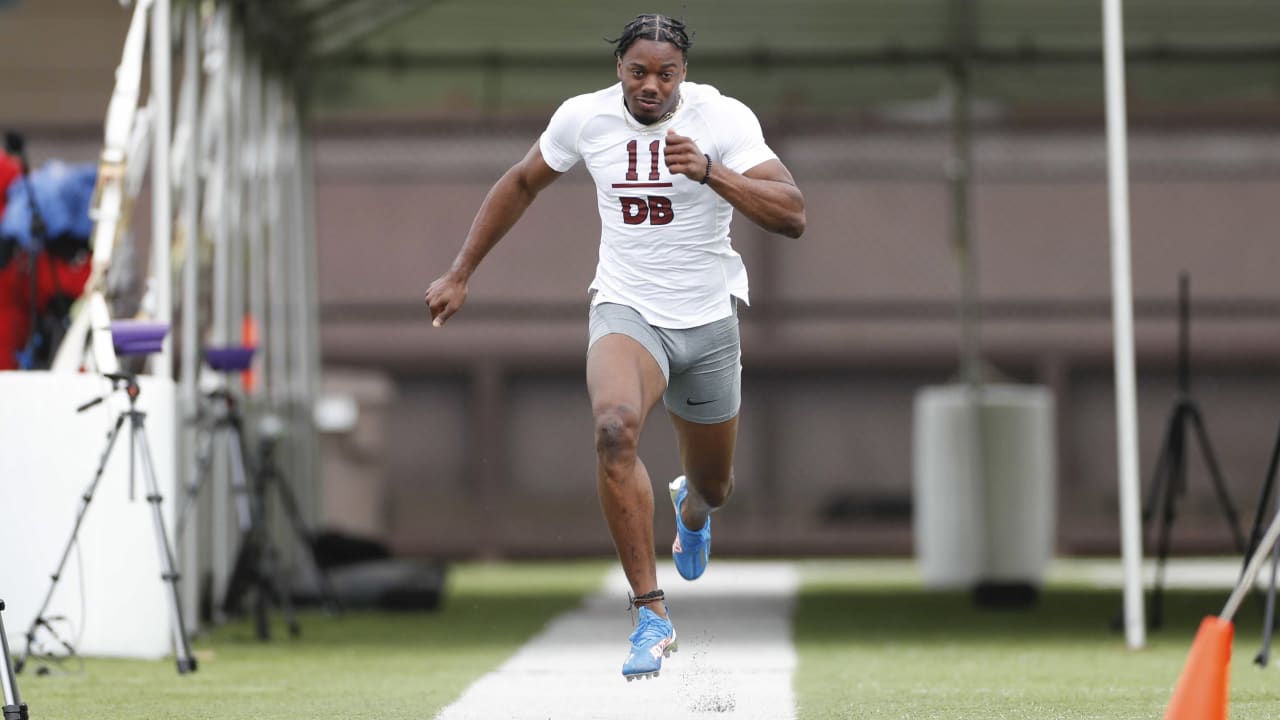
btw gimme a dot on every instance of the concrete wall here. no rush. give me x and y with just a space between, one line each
846 324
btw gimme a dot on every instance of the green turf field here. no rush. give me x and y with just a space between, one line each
870 643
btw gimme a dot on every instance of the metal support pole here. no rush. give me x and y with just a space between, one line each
230 275
959 179
190 362
237 178
161 197
1122 317
252 147
276 322
308 338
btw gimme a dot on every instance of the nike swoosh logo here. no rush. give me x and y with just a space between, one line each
690 401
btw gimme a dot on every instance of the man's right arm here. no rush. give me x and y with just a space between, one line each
502 207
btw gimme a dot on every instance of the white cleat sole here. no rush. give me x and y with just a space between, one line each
665 654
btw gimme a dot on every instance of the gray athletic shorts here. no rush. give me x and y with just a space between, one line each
702 365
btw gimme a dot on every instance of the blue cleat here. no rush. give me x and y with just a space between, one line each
692 548
653 639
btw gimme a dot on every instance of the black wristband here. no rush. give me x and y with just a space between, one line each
707 174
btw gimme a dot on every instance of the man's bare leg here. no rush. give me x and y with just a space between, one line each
706 454
624 383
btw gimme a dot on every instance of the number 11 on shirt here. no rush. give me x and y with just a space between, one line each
653 160
656 209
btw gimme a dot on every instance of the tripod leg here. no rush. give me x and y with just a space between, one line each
255 565
1268 486
1151 502
185 662
1215 472
1160 477
263 569
243 576
14 708
1220 486
274 587
273 584
204 468
240 473
1175 483
307 540
1269 622
256 569
247 570
85 499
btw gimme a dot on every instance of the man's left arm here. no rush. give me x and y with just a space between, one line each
767 193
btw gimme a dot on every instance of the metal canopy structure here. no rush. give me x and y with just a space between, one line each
232 259
773 54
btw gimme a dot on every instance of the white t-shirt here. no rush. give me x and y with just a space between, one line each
664 239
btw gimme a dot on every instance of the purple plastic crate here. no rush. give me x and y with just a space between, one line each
234 357
141 348
138 337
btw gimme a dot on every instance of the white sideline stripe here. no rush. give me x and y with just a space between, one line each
1180 573
735 660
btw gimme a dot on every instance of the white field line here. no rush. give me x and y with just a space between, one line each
1181 573
735 660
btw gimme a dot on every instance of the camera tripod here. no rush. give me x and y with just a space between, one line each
138 447
256 563
1169 482
14 708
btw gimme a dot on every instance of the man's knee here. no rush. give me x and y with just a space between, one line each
617 433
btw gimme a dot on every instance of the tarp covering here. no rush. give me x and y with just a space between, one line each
62 194
49 271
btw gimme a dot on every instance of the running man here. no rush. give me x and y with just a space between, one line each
671 160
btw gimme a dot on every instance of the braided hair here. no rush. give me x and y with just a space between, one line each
652 26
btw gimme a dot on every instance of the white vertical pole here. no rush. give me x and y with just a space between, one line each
1122 317
294 237
190 203
190 288
308 343
224 159
161 200
276 325
236 178
252 148
229 283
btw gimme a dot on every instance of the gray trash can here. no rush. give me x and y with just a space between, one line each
985 478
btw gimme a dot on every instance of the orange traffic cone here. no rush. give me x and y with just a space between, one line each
1201 692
